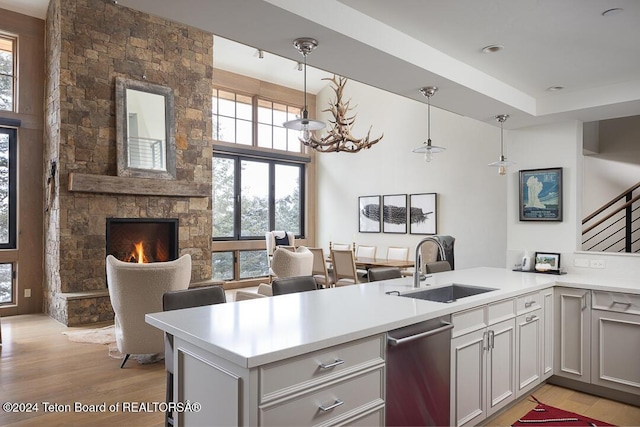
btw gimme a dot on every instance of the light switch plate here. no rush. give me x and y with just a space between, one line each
581 262
596 263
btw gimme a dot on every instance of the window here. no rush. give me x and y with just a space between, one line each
233 121
8 188
7 73
6 284
7 209
252 196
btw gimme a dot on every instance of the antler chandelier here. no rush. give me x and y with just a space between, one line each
339 136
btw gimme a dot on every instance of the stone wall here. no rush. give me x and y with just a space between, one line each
89 43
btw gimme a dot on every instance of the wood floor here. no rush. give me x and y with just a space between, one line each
39 364
590 406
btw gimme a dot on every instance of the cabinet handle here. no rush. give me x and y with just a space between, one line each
485 339
331 365
530 318
492 335
626 304
528 304
584 302
335 404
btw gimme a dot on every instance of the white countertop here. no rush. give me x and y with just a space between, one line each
255 332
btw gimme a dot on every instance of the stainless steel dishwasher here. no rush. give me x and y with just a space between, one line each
418 374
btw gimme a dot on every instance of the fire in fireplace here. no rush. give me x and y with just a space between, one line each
142 240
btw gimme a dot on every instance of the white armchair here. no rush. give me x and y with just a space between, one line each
137 289
286 263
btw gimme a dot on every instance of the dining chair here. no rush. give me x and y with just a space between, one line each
176 300
320 272
340 246
400 253
366 251
290 285
344 267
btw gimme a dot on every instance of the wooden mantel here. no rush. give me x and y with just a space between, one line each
87 183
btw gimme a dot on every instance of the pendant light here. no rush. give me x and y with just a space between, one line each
502 164
426 147
305 46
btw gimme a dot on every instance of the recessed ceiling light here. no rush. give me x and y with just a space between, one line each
555 88
493 48
612 12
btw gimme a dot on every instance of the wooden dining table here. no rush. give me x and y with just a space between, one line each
366 263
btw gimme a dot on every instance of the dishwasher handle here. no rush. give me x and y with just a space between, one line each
446 326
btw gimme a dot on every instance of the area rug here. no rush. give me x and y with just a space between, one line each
549 416
107 336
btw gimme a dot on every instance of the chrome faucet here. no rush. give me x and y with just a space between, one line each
416 272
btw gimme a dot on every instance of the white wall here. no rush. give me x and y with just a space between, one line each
472 197
539 147
616 166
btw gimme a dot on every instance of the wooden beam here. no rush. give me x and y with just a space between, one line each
88 183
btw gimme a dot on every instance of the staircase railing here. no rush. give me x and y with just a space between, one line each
612 229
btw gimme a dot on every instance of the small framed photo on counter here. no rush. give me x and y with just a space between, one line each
547 262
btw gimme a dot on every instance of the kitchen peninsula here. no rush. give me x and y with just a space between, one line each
319 357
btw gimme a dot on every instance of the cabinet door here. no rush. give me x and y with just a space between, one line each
572 340
468 400
529 351
547 335
501 365
615 342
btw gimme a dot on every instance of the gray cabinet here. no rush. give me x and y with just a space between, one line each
572 333
615 337
483 361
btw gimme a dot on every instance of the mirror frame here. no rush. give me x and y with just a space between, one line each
122 146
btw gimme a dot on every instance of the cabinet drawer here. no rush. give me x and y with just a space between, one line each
468 321
288 376
616 301
501 310
528 302
340 398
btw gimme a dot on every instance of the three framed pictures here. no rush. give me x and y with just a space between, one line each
391 213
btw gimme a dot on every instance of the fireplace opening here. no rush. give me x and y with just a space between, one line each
142 240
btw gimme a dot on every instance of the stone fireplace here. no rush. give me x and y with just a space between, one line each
84 57
142 240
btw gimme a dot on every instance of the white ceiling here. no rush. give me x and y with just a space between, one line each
402 45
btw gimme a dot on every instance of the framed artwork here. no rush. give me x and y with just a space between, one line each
394 213
423 214
547 261
369 214
541 195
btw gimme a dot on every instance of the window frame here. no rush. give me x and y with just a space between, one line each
272 162
14 70
13 184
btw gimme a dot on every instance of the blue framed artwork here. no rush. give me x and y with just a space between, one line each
541 194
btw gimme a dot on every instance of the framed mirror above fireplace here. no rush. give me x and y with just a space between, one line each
145 130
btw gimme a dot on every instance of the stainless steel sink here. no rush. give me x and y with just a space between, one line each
447 294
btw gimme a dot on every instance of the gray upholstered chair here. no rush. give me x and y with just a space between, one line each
290 285
136 290
176 300
437 267
384 273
